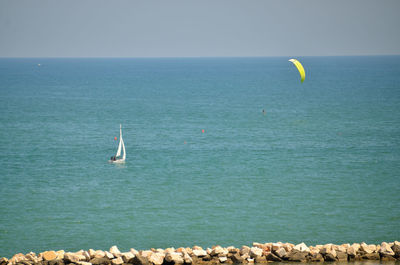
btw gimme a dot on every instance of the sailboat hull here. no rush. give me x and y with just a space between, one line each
118 161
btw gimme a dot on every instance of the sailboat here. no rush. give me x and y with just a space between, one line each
121 149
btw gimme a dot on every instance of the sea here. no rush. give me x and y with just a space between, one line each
219 151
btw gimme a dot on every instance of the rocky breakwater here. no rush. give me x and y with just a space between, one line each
257 253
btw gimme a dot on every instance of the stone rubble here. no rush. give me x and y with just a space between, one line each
258 253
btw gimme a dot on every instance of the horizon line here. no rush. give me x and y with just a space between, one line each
186 57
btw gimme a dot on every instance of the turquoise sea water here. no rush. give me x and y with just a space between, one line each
322 166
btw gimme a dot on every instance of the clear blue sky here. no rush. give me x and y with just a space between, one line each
182 28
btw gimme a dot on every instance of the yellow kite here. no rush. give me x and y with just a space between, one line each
300 68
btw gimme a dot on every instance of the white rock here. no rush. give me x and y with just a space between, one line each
351 251
276 246
156 258
328 249
175 257
72 257
169 250
18 258
127 256
187 259
255 252
199 252
60 254
108 255
218 250
117 261
115 251
281 252
134 251
386 249
208 250
302 247
244 250
366 248
99 254
31 256
91 252
223 259
146 253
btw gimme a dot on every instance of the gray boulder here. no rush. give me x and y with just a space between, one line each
100 261
297 256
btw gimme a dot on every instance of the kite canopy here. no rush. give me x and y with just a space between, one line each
300 68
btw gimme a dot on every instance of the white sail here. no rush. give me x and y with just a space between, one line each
121 148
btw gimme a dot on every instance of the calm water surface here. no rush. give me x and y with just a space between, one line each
322 166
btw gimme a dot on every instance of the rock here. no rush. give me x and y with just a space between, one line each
244 250
329 257
255 252
17 258
386 249
341 256
219 251
387 258
83 263
199 252
25 262
297 256
260 259
91 253
316 257
31 257
98 254
272 257
157 258
174 257
207 257
366 248
146 253
169 250
250 260
140 260
55 262
49 255
60 254
328 252
100 261
371 256
281 252
70 257
108 255
236 258
3 261
314 250
134 251
117 261
276 246
222 259
396 250
127 257
352 251
302 247
232 249
186 258
115 251
288 247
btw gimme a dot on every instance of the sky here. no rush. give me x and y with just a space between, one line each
201 28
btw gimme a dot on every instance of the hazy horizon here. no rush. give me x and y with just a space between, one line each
191 29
